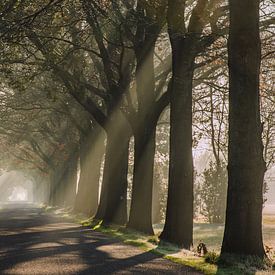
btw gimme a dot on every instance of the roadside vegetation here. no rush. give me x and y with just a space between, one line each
210 234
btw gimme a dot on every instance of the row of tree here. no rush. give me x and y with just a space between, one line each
80 79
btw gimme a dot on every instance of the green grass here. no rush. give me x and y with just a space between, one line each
211 234
173 253
151 243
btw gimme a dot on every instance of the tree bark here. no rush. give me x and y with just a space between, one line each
63 182
113 199
91 152
54 180
116 205
186 44
70 180
178 227
140 217
246 167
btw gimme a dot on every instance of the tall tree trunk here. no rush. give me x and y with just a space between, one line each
54 180
178 227
186 45
141 204
246 167
144 134
63 182
68 194
116 205
91 152
113 199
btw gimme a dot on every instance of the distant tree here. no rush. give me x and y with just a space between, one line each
212 193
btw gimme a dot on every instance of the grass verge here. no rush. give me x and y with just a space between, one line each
209 265
174 253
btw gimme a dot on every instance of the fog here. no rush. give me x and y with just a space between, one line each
16 187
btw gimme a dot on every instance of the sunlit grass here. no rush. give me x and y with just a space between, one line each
211 234
269 220
171 252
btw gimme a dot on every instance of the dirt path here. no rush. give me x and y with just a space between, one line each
35 242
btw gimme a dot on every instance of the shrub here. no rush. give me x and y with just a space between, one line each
211 257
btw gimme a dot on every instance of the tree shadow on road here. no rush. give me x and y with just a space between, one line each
37 243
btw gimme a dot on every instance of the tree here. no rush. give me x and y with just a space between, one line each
91 154
246 166
212 193
187 43
149 24
42 137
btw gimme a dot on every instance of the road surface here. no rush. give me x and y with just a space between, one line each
35 242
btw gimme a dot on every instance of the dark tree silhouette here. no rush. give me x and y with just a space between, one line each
186 45
246 167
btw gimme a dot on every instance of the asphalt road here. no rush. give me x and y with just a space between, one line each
35 242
